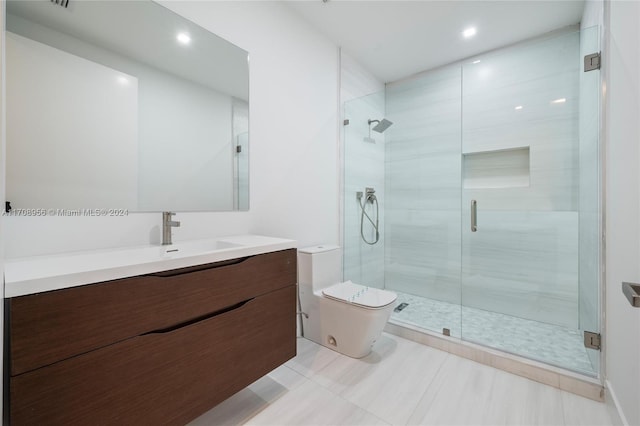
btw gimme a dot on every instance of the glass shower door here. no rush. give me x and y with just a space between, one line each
523 180
589 229
363 155
423 189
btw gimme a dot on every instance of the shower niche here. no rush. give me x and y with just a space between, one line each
505 168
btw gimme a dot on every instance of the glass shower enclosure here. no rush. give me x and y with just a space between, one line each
488 188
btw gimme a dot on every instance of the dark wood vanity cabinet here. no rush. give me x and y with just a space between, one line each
154 349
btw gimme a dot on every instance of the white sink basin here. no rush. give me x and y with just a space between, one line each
44 273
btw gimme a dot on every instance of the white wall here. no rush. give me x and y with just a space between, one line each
293 119
592 14
622 205
355 80
294 171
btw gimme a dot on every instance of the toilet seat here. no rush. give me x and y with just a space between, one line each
359 295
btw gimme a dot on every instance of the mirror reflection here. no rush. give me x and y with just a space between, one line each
123 105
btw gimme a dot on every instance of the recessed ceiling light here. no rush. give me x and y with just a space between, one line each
469 32
518 108
477 61
559 101
184 38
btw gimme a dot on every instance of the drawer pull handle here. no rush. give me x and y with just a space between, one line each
198 319
197 268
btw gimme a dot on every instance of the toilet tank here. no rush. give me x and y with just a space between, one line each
319 266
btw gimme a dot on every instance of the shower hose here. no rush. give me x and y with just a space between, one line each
372 199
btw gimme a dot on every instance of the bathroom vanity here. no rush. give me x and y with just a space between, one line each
157 342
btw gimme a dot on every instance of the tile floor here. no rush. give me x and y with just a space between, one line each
400 382
548 343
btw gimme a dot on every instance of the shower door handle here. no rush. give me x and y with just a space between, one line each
474 215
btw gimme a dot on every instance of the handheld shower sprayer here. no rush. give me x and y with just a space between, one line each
369 197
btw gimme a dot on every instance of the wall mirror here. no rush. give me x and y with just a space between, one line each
123 105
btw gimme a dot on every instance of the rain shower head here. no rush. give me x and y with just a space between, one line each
381 126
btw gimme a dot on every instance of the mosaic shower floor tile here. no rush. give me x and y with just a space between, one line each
548 343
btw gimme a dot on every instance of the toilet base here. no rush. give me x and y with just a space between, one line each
342 327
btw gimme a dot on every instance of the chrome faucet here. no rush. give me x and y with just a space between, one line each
167 224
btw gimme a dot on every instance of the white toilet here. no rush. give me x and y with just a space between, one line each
342 316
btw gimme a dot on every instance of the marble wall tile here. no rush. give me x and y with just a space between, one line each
523 264
423 185
423 253
508 79
363 167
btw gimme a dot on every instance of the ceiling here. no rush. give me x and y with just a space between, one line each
394 39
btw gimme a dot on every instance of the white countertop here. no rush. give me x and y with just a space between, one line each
37 274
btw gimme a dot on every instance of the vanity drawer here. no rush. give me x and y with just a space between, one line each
48 327
168 377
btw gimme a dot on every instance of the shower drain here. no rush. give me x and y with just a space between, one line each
400 307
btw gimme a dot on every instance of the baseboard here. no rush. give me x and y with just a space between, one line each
533 370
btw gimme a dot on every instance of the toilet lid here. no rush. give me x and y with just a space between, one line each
360 295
